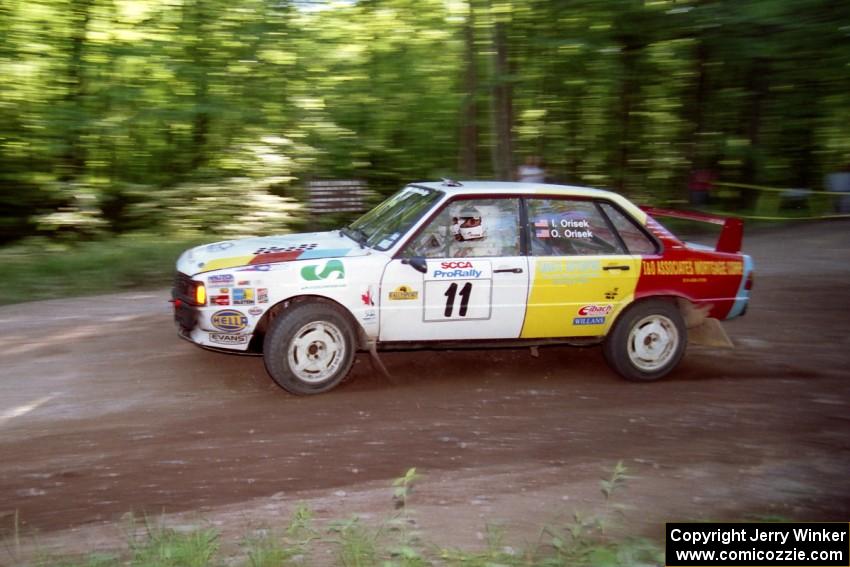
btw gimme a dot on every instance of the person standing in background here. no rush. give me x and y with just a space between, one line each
699 186
531 171
839 182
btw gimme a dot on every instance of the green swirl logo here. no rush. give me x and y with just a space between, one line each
332 270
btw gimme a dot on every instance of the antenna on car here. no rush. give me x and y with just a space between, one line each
451 182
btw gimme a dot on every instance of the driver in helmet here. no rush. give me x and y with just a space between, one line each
470 226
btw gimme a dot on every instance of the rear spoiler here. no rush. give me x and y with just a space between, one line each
731 235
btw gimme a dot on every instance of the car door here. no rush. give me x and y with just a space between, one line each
475 280
582 275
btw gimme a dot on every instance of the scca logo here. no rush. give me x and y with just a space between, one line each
229 321
451 265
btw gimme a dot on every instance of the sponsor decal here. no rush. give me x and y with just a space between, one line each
330 270
220 300
243 296
326 253
692 268
224 290
564 228
589 321
257 268
256 311
229 320
369 315
262 295
223 279
223 339
609 295
595 310
560 272
244 282
220 246
456 269
284 249
403 293
366 298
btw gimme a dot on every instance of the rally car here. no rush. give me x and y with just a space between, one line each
474 264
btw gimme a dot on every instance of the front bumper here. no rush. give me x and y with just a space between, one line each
194 325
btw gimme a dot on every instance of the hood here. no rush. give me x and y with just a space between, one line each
267 250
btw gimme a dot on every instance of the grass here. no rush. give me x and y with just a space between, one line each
43 269
393 542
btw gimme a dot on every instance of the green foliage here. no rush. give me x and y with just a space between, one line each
163 547
42 269
116 114
358 544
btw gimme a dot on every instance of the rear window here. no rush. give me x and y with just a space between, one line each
635 239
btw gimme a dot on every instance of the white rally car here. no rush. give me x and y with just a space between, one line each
473 263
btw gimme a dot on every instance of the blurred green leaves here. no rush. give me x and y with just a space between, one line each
116 114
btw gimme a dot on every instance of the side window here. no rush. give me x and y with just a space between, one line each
636 240
470 228
568 227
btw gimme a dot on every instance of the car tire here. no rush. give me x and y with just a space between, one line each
309 348
647 342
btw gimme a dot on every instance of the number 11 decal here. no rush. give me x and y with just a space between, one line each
451 293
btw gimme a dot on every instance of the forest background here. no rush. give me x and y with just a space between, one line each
210 116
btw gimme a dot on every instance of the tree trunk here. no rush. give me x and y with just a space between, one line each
502 106
628 87
757 87
469 115
198 56
74 156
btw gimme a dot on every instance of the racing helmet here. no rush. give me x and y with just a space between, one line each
471 225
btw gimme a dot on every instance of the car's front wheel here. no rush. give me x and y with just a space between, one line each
647 342
309 348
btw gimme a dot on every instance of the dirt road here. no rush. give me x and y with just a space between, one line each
103 410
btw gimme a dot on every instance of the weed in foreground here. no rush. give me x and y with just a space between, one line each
271 549
166 547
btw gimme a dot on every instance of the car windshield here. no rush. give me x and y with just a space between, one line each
381 227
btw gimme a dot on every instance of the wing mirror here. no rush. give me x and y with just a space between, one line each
418 263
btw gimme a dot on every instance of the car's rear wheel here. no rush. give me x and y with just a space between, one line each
647 342
309 348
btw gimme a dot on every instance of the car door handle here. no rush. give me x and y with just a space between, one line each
624 268
508 270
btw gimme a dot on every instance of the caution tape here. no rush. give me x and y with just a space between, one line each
766 218
775 190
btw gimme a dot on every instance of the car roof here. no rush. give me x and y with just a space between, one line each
457 188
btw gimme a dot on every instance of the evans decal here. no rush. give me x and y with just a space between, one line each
330 270
462 269
595 310
589 321
228 339
229 321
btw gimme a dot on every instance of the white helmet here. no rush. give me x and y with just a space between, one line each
471 226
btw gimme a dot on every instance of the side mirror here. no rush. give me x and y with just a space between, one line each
418 263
